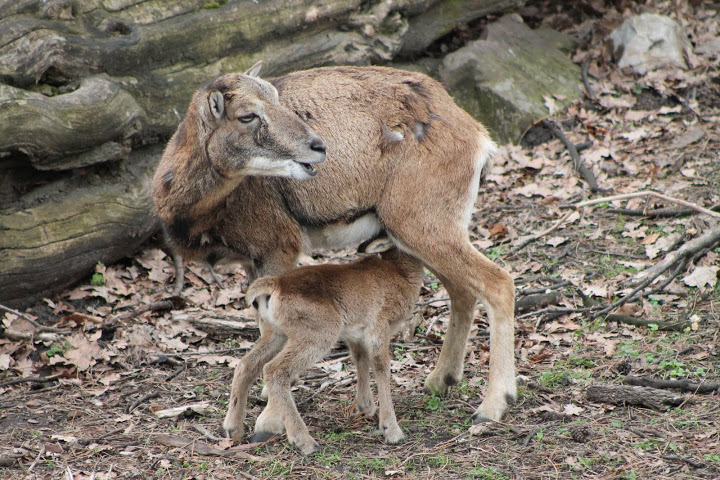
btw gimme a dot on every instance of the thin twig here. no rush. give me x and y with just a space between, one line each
15 381
435 300
644 193
538 236
584 73
171 303
142 399
38 328
533 291
175 373
207 434
587 173
660 212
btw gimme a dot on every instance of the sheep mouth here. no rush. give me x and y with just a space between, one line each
309 168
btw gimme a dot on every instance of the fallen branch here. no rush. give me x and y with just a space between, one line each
537 301
644 193
660 212
17 335
644 322
584 75
684 385
16 381
707 240
638 290
632 395
38 328
587 173
170 303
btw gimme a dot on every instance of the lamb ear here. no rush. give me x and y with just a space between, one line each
254 70
216 103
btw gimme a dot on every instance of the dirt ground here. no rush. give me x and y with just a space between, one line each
91 396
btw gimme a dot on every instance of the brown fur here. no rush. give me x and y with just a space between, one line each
401 157
304 313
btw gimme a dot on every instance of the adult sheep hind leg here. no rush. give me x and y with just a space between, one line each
426 213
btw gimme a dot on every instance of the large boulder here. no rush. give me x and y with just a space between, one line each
508 79
650 41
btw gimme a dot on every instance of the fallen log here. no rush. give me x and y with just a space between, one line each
684 385
631 395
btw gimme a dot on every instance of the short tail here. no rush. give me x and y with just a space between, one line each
261 287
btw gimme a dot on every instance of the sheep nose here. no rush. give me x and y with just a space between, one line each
317 145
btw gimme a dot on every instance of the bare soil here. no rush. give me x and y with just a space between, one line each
87 401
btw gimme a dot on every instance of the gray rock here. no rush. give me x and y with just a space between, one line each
650 41
505 79
709 49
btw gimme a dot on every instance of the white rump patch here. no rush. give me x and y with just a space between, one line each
486 149
341 234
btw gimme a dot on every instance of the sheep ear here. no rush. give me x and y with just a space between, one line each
379 245
216 103
254 70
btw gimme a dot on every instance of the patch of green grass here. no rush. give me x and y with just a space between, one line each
493 253
610 268
210 5
439 461
373 465
580 361
647 444
337 436
97 279
627 348
58 349
486 473
553 378
277 468
433 402
328 458
629 474
672 367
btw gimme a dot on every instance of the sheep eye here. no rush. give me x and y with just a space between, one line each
247 118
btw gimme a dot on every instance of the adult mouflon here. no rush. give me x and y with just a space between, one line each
330 157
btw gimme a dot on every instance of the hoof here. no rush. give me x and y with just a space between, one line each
234 433
261 437
393 436
438 384
307 447
368 411
477 419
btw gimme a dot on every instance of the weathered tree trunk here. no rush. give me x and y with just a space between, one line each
91 89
